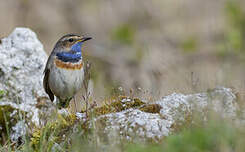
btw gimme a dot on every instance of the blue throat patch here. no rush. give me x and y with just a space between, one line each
74 55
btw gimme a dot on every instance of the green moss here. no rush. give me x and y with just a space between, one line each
151 108
118 104
105 109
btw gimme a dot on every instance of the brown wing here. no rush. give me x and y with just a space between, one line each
46 85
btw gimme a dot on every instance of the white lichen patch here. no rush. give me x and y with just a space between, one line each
135 123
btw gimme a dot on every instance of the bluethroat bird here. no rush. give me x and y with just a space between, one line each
64 71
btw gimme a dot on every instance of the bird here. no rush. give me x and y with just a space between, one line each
64 70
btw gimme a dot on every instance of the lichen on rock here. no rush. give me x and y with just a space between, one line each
21 69
117 104
167 115
22 63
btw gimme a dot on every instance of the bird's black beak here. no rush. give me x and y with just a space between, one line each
85 39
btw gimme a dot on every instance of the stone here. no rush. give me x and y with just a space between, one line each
21 70
176 110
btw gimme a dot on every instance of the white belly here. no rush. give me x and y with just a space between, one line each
65 83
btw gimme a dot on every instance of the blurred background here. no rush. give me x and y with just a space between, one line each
156 47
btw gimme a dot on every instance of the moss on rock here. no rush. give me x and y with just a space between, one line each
118 104
151 108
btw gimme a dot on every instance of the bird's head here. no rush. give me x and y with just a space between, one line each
72 42
69 47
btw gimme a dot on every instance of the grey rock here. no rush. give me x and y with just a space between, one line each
22 63
176 110
21 70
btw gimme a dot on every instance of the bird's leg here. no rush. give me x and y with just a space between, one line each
75 104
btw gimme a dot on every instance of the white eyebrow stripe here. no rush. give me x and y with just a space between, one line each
67 38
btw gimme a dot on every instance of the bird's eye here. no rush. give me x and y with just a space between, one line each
71 40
